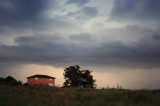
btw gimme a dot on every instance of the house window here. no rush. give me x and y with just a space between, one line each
36 78
50 84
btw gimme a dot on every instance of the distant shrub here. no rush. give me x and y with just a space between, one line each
26 84
2 81
10 81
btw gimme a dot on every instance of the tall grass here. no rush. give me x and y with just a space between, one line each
48 96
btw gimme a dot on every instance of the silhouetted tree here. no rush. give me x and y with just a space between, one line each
2 81
10 81
74 77
87 79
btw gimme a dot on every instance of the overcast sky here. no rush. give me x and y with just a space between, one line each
118 39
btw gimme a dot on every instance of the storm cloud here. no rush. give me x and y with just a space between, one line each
54 51
136 9
22 12
122 34
79 47
78 2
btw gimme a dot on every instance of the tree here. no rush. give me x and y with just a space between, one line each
10 81
74 77
2 81
87 80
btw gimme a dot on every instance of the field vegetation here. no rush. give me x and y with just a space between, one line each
49 96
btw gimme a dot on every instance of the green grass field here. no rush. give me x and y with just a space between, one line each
48 96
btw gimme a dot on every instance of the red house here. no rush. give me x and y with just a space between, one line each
41 80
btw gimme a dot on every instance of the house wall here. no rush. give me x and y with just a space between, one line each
41 81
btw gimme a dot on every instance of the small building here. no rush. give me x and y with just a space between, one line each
41 80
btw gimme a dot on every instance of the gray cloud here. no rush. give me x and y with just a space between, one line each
90 11
40 50
138 55
156 36
78 2
84 13
22 12
25 17
22 16
81 37
136 9
45 50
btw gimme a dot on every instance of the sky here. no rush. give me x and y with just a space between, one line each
119 40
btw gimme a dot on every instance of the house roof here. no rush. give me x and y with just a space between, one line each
41 76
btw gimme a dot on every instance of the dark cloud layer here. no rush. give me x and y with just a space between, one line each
22 12
156 36
40 50
139 55
78 2
43 50
81 37
136 9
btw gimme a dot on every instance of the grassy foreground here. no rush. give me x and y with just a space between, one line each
48 96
